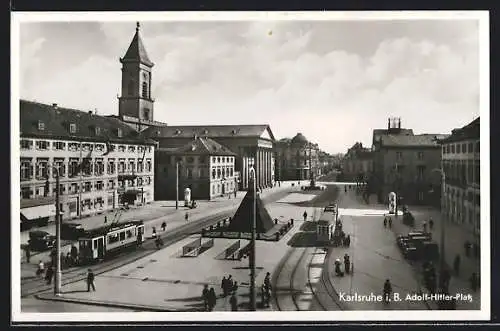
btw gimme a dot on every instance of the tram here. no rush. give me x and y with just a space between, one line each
325 227
99 243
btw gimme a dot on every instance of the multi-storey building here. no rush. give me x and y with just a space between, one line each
101 162
204 166
403 163
461 164
253 145
297 159
357 164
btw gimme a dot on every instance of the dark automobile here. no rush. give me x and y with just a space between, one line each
421 250
331 208
41 240
403 241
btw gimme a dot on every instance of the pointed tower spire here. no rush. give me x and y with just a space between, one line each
136 51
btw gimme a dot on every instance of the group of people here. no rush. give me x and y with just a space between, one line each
387 221
347 266
228 286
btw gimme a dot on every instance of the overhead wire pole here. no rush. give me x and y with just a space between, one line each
176 184
58 273
253 301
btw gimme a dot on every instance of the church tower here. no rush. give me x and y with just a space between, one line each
135 102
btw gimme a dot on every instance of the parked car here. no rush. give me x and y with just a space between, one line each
421 250
71 231
403 241
408 218
41 240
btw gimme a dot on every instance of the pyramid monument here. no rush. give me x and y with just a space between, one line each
243 218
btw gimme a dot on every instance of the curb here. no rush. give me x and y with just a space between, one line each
106 303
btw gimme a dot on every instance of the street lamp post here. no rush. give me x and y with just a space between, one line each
252 253
442 260
176 184
58 273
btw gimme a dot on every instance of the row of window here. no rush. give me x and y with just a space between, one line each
27 144
42 168
461 148
28 192
217 188
458 214
201 159
73 128
462 172
419 154
469 196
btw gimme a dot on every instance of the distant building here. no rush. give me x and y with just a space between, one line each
357 163
461 163
403 163
101 161
253 145
205 167
297 159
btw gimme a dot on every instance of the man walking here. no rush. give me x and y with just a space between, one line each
90 280
28 253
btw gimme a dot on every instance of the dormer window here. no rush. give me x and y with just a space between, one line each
41 126
177 132
119 132
97 131
72 128
233 131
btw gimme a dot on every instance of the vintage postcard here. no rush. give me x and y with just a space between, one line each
250 166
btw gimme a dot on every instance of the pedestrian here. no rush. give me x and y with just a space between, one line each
154 232
163 226
387 290
62 261
74 254
234 288
456 264
390 222
425 226
49 274
204 295
41 268
212 299
347 263
90 280
223 286
305 216
431 223
186 217
69 263
105 219
234 302
28 253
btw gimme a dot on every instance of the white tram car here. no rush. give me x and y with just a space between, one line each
97 244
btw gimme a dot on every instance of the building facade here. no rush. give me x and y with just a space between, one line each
205 167
253 145
100 161
297 159
405 163
357 164
461 164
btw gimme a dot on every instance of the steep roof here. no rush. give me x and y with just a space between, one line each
56 122
136 51
421 140
200 146
210 131
242 219
377 133
469 131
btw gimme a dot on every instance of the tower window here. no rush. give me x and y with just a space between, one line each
41 126
119 132
72 128
146 114
144 90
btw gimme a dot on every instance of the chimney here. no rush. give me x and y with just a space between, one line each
54 105
90 112
399 123
388 123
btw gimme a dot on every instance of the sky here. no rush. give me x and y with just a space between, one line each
333 81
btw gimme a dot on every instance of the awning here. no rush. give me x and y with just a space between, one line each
33 213
132 192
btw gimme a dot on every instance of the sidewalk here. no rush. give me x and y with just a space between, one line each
166 281
455 237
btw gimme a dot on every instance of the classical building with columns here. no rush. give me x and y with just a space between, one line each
461 203
102 162
253 145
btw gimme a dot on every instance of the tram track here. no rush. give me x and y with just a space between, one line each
38 285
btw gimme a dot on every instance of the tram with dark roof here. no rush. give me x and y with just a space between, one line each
326 224
100 243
